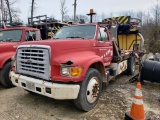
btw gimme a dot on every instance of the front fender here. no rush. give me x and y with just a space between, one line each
86 62
83 59
4 57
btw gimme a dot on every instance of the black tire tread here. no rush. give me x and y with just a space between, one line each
80 102
5 76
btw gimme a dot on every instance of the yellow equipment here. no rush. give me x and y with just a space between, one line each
128 36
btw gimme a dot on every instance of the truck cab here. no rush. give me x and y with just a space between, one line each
10 38
74 64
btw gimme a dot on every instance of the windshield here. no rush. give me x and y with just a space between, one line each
10 35
81 31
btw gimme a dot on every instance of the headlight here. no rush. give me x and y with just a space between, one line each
71 71
65 71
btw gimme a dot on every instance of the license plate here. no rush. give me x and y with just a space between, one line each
30 86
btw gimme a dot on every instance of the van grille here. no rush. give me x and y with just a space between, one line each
33 61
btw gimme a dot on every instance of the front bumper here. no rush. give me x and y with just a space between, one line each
50 89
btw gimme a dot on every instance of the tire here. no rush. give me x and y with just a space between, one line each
5 78
85 100
131 66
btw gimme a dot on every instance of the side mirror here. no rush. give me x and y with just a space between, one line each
113 32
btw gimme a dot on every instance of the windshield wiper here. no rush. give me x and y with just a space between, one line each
75 37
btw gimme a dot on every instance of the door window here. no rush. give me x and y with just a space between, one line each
102 35
30 36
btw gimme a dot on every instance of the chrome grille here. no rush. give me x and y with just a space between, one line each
33 61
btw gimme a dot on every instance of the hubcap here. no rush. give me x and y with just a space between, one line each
92 90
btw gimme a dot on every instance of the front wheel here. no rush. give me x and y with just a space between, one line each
5 75
90 90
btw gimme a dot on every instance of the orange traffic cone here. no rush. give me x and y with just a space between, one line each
137 109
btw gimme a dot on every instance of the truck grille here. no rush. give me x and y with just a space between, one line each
33 61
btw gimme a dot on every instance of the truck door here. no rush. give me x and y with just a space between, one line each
104 45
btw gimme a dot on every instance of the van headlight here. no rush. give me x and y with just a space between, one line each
71 71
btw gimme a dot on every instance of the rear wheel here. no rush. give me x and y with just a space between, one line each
90 90
131 66
5 75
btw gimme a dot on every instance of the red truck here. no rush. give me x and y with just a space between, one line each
10 38
77 61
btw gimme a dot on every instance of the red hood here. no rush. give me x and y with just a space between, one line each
62 44
7 46
65 48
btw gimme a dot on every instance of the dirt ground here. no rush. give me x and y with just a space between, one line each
116 99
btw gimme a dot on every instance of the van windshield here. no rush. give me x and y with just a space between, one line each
73 32
10 35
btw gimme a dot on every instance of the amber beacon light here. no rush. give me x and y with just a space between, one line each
91 14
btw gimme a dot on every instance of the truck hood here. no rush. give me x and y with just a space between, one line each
62 44
68 49
7 46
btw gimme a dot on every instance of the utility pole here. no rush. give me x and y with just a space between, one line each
75 4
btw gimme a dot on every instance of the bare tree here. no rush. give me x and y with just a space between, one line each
103 16
140 16
2 10
82 18
9 10
63 8
67 18
95 18
156 12
15 14
152 29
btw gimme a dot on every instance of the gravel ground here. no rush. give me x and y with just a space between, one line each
116 99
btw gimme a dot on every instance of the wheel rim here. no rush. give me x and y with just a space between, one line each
92 90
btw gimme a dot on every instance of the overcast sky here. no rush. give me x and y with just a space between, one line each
52 7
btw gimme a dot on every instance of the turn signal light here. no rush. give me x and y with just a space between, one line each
75 71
